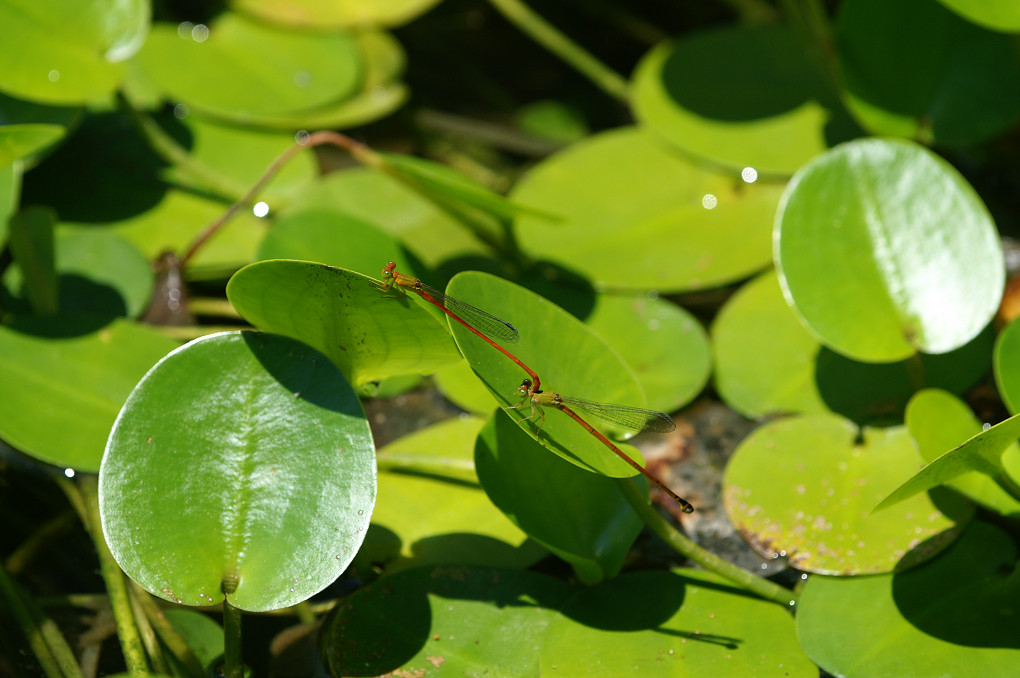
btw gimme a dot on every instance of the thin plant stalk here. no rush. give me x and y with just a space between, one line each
233 665
44 639
550 37
131 644
710 561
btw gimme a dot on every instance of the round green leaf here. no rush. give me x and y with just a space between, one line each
241 155
460 386
367 333
65 51
740 96
241 462
66 375
202 634
883 250
581 517
330 14
238 67
101 272
999 15
768 363
954 616
372 196
636 216
803 489
568 357
1007 365
683 623
19 141
328 236
764 358
444 621
430 510
938 422
915 69
663 344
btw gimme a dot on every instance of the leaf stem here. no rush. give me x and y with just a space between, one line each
710 561
131 644
44 638
233 665
547 35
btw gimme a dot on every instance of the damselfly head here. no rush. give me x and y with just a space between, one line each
525 388
388 271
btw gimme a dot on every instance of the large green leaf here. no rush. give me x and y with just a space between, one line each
330 14
367 333
68 51
18 141
375 197
999 15
636 216
954 616
768 363
663 344
682 623
242 462
740 96
64 380
982 452
803 488
884 250
913 68
567 356
444 621
581 517
1007 365
938 422
101 272
431 511
238 67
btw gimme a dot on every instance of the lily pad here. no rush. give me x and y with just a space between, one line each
64 52
330 14
954 616
916 69
938 421
568 357
982 452
740 97
368 334
374 197
767 362
803 489
237 66
1007 365
430 502
241 466
681 623
19 141
884 250
70 375
581 517
635 216
444 620
665 346
998 15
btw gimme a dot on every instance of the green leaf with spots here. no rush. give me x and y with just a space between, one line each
242 460
953 616
803 488
367 333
